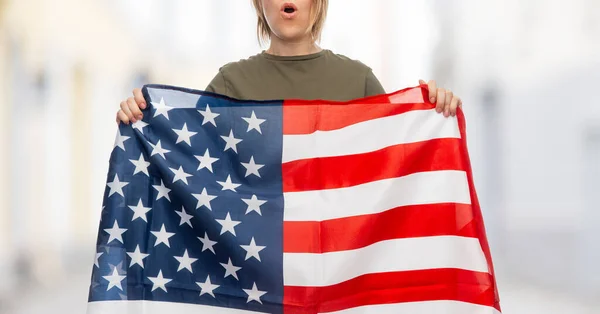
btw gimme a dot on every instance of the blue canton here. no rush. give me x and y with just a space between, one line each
193 206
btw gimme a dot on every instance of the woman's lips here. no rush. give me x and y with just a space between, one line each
288 10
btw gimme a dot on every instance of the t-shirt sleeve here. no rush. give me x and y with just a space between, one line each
218 84
372 85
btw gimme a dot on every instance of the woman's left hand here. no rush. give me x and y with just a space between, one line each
444 99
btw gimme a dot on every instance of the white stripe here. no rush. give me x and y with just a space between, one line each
156 307
174 98
410 127
324 269
427 307
447 186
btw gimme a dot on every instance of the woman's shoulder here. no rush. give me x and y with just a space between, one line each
234 74
351 67
348 62
244 64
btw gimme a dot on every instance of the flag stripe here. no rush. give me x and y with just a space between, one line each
429 307
351 170
309 269
356 232
305 117
449 186
157 307
394 287
478 218
372 135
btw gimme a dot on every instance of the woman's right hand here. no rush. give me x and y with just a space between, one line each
131 108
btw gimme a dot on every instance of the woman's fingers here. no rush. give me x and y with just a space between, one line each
121 116
453 105
441 100
448 101
135 109
127 112
139 98
131 108
433 91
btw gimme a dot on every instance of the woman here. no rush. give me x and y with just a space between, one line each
294 66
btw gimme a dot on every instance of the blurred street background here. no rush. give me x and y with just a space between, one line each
528 73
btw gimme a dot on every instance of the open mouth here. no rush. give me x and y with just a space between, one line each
289 10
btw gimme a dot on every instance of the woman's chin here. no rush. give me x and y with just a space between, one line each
293 35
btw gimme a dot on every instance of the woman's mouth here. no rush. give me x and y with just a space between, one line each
288 10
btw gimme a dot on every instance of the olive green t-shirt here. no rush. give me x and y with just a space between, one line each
322 75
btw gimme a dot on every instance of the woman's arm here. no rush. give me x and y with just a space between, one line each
372 85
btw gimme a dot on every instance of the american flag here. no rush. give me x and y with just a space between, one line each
217 205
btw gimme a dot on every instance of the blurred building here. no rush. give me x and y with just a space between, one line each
58 76
531 69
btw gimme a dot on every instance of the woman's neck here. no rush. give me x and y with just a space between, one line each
302 47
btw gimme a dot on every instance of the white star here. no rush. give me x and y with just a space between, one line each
252 167
253 204
120 140
159 281
184 135
230 269
119 266
114 280
137 257
162 190
254 123
207 287
161 108
228 185
185 217
185 261
204 199
141 165
139 211
227 225
231 141
157 149
206 161
254 294
140 125
209 116
115 232
96 259
116 186
252 250
207 244
180 175
162 236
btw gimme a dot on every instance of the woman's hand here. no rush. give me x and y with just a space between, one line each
444 99
131 108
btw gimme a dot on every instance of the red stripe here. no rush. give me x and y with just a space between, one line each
356 232
305 117
351 170
478 217
394 287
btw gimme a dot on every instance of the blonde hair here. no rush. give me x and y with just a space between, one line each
318 15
